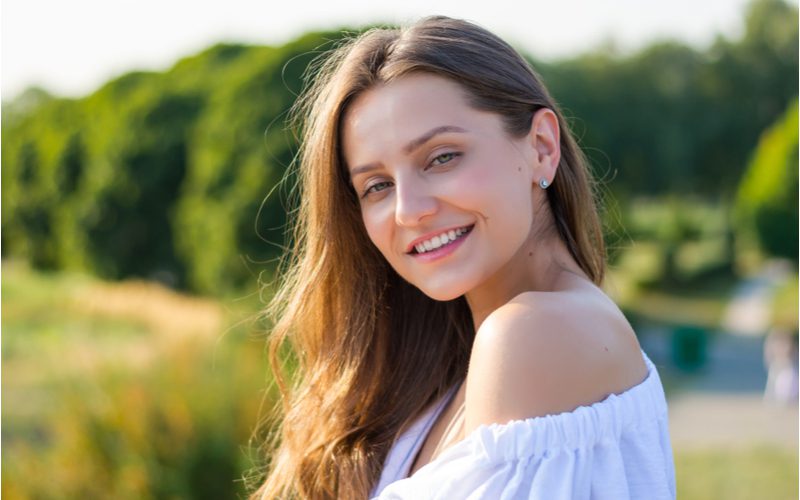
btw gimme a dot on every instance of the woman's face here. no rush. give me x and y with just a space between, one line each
446 194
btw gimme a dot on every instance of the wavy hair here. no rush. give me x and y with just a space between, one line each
371 350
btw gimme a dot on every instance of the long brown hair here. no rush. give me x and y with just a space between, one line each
371 350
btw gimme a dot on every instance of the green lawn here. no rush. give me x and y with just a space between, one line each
756 473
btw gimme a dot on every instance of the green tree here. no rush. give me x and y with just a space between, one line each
167 174
671 119
767 200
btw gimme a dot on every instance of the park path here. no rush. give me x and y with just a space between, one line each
722 405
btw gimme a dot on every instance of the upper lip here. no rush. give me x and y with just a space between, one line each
430 235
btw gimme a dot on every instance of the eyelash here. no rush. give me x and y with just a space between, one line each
450 154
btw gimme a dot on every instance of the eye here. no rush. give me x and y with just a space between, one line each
444 158
378 186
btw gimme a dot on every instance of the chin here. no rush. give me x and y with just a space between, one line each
443 291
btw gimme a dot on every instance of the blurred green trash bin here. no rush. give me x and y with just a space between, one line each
689 344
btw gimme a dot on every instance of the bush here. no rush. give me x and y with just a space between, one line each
766 207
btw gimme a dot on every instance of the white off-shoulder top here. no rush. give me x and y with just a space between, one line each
618 448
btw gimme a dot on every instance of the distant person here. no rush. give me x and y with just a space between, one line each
442 298
780 358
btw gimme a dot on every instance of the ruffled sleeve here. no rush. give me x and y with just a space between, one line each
616 449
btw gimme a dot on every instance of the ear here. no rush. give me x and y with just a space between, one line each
545 139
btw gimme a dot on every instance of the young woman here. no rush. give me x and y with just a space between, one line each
442 301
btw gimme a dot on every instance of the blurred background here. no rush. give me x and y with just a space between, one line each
142 217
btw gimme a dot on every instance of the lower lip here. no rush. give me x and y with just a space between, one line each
442 251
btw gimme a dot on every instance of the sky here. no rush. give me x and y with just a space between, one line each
72 47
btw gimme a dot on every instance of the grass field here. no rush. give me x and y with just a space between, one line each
125 390
132 391
729 474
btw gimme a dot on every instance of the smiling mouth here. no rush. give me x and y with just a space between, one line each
443 240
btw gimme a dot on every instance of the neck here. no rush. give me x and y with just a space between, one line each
540 265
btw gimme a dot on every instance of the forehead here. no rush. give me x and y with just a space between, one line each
389 115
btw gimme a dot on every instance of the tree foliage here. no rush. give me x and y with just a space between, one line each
671 119
157 175
166 175
767 199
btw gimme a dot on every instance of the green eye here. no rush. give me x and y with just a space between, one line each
443 158
378 186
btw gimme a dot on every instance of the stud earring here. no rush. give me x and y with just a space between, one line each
543 183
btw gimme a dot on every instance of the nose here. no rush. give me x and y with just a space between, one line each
413 203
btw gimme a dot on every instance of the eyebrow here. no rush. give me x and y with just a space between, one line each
412 145
427 136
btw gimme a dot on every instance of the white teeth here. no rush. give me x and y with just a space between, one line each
439 240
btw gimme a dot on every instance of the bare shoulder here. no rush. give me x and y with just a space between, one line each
545 353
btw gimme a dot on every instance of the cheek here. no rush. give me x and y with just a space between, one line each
498 191
377 222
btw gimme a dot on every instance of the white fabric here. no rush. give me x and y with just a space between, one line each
615 449
405 449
